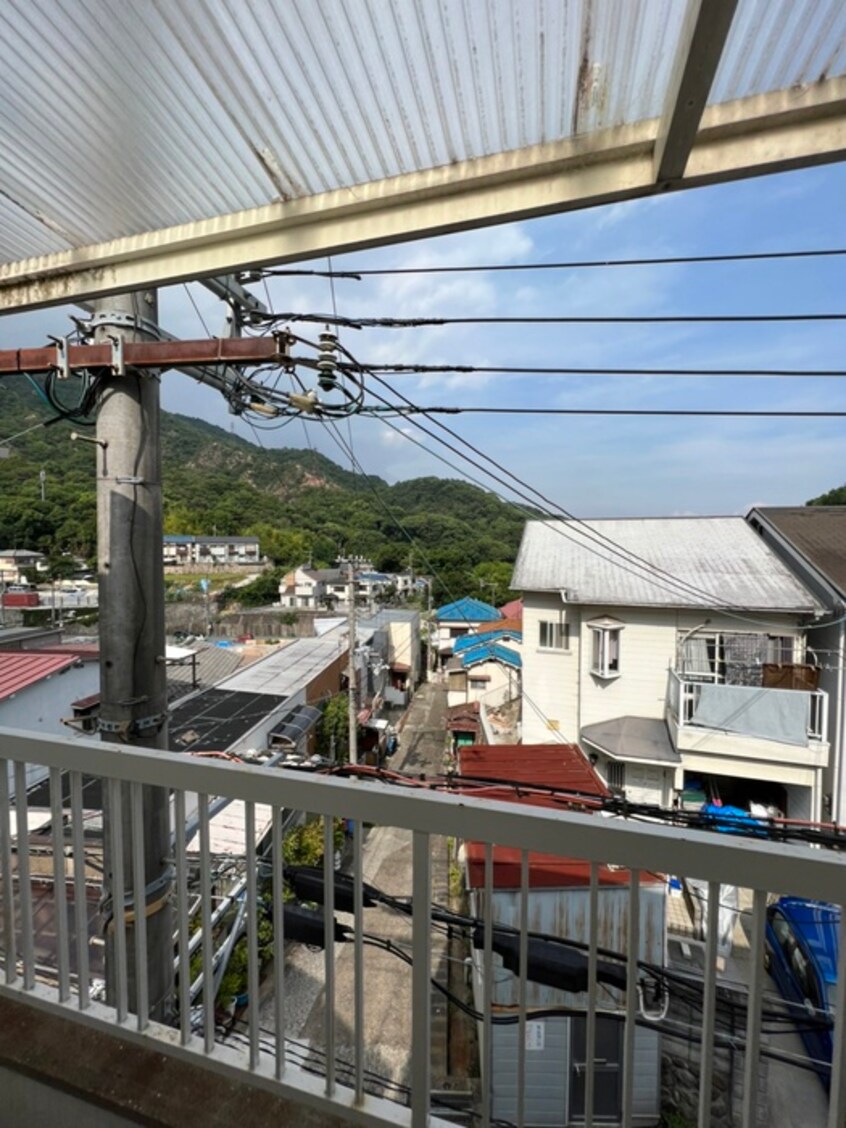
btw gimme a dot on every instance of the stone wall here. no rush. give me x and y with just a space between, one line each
680 1068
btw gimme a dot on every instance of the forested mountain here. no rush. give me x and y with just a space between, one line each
300 503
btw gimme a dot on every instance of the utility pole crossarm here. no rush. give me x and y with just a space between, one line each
147 354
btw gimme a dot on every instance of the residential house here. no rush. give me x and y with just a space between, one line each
485 665
307 588
558 905
402 654
660 645
811 540
194 551
16 562
38 691
457 619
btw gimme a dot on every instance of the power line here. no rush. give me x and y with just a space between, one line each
583 528
355 273
511 370
567 319
28 430
645 411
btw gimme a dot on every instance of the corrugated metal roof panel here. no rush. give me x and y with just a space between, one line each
552 765
658 561
22 668
467 610
121 119
490 652
151 115
777 44
289 670
818 532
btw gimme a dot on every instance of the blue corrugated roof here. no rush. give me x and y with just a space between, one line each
468 610
466 642
490 652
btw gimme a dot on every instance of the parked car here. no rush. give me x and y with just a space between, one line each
801 955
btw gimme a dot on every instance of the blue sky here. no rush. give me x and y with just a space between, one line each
594 466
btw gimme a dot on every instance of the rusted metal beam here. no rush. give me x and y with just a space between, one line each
148 354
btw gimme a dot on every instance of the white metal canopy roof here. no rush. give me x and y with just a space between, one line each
153 140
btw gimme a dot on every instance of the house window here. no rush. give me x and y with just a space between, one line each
780 649
616 773
458 632
605 653
554 636
479 683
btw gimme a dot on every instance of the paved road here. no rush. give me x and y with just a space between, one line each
797 1098
387 983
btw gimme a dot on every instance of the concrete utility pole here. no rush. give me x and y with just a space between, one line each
133 691
351 671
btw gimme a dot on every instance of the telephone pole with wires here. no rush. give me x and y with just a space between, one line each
352 679
133 687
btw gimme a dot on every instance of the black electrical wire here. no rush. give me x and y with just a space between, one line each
583 528
510 370
576 264
657 575
625 411
565 319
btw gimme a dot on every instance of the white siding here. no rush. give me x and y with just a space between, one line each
561 695
550 677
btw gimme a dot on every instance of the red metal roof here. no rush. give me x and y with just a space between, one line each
513 610
463 717
546 871
513 625
562 766
22 668
553 765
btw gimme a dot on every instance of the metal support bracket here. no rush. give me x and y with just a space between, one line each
62 359
118 362
153 722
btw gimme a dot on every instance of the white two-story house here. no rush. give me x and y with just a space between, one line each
674 651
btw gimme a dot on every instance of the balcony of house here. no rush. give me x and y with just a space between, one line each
753 722
257 985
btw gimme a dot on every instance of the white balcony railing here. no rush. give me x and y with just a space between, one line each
684 694
418 818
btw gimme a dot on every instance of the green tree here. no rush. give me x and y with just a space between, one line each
837 496
492 579
333 732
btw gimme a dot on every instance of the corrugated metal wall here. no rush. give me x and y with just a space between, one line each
564 912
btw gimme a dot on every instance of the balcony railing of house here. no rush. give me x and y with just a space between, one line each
338 1075
684 695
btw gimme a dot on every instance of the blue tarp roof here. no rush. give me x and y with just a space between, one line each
490 652
466 642
468 610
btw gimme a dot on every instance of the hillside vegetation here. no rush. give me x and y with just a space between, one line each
300 503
